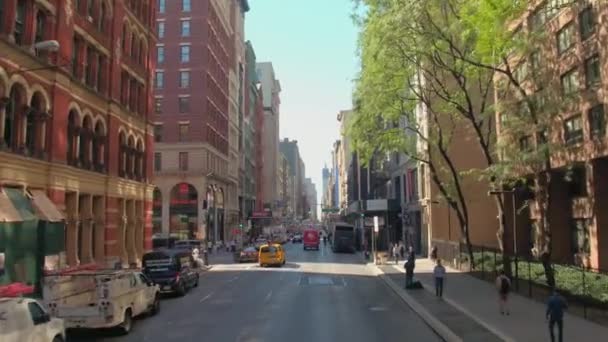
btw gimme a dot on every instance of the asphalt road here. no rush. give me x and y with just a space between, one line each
316 296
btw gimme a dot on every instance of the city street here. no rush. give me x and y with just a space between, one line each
316 296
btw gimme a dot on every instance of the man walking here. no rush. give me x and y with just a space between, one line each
409 265
555 315
439 274
503 284
396 253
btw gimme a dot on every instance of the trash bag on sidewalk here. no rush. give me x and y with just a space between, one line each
415 285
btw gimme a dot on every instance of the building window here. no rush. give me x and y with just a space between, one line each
186 6
158 105
184 53
161 6
184 104
158 133
160 79
103 11
521 73
586 21
580 236
161 29
160 54
90 70
183 161
597 122
184 79
101 66
158 161
593 74
19 31
40 25
184 130
565 38
573 130
577 180
569 82
185 28
535 61
525 143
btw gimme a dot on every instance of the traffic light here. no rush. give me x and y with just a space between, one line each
241 226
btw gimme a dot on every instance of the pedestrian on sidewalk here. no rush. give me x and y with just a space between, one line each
556 305
434 253
396 253
401 249
439 274
503 284
409 266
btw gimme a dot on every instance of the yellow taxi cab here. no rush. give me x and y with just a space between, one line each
271 254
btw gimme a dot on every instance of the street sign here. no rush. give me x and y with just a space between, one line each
376 226
330 210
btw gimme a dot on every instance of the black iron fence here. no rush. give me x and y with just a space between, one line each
585 289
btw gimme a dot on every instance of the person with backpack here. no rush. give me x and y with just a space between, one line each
503 284
439 275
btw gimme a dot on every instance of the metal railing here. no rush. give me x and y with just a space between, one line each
585 288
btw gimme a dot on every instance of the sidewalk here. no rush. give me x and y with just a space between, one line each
477 299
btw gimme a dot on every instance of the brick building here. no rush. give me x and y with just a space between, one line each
74 122
195 172
571 61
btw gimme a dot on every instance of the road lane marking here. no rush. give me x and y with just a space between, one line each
233 279
206 297
268 296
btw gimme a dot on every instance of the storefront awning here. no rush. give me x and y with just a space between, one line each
45 209
8 212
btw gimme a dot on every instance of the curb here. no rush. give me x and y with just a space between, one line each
472 316
439 328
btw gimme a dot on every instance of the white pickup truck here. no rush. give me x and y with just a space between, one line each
24 320
97 299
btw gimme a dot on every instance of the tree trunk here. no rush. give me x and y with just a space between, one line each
544 237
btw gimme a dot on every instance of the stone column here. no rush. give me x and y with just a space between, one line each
139 232
86 218
100 227
71 246
130 232
122 233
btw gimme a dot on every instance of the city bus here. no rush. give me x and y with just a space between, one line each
342 237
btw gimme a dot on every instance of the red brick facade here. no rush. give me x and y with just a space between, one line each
75 121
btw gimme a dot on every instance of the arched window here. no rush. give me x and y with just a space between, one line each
134 46
72 137
142 56
101 23
99 142
125 33
14 111
122 156
86 142
130 157
139 164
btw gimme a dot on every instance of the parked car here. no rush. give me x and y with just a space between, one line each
297 238
249 254
174 270
272 255
25 320
100 299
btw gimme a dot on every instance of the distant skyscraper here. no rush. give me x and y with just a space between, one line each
326 175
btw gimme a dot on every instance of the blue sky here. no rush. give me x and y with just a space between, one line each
312 45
